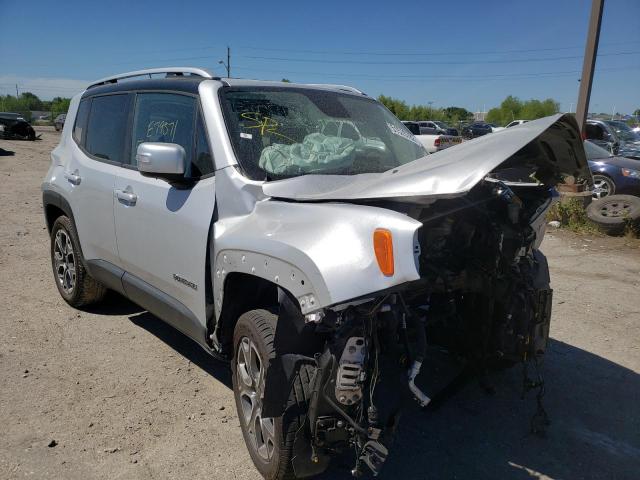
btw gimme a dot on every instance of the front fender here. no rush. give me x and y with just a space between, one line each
322 253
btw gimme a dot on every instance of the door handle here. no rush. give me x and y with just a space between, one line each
126 197
73 178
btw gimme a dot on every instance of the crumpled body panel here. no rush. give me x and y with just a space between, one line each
551 147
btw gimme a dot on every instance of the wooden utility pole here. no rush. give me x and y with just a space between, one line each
589 65
228 64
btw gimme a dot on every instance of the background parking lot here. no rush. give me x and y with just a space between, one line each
112 392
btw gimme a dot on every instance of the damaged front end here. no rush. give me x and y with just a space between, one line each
483 294
15 128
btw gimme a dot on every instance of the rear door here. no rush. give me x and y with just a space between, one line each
427 128
162 235
97 152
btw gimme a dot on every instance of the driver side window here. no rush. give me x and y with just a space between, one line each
165 118
173 118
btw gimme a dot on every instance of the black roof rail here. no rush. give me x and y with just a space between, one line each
170 71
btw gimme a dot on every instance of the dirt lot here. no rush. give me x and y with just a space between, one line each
124 396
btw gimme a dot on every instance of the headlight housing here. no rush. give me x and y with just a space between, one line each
628 172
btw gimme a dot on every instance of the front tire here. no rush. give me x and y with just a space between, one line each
603 186
74 283
269 440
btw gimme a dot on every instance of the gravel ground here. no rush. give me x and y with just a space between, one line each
114 393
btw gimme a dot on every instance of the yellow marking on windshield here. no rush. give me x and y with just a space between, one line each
265 124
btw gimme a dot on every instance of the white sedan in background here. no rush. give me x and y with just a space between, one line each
516 123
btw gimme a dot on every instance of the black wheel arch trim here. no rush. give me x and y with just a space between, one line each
49 197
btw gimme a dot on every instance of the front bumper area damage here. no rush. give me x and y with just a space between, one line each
482 295
366 358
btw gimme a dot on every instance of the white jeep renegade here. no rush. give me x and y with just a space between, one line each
321 262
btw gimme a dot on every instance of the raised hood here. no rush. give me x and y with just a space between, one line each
548 150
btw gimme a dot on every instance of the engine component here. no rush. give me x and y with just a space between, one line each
373 455
351 372
422 398
331 431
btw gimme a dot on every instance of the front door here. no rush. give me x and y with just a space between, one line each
162 230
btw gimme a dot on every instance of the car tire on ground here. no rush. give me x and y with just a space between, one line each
603 186
74 283
614 212
269 441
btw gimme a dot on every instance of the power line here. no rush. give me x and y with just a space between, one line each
440 53
146 61
374 53
399 79
467 62
31 86
394 78
436 77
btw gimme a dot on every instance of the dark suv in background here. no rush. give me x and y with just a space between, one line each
476 129
615 136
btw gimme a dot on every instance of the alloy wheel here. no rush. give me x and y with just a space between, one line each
602 186
64 260
251 379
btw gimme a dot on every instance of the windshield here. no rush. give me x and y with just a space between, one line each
624 132
595 152
280 132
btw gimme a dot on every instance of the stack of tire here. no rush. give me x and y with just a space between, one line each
615 213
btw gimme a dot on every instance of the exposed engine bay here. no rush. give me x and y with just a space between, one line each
483 297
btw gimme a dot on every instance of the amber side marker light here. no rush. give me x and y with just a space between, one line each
383 246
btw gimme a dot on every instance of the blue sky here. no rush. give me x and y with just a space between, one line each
465 53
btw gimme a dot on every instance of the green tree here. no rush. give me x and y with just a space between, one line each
637 112
512 108
30 101
457 114
59 105
398 107
494 115
403 111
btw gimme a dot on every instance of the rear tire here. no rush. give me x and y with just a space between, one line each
74 283
269 441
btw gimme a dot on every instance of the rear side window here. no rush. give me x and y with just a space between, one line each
81 121
165 118
107 127
595 132
413 128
